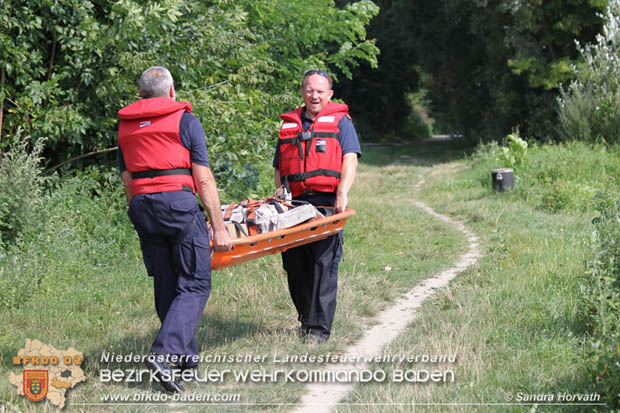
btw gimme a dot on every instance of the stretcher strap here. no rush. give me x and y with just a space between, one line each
229 210
276 205
240 228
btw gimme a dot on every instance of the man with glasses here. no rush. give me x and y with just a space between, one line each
316 158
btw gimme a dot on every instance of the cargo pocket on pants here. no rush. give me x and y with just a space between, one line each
193 257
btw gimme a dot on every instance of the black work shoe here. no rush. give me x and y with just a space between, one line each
313 338
158 369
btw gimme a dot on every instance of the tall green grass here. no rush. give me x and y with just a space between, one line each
64 231
562 177
539 313
581 179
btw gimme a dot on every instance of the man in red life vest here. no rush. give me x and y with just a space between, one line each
316 158
163 162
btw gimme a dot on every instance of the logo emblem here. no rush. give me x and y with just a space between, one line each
145 123
36 384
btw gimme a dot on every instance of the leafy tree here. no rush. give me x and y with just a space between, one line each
67 66
588 107
542 37
378 96
488 65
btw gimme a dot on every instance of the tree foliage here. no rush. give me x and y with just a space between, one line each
67 66
488 65
588 106
378 96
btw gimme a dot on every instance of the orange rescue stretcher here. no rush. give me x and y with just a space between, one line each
256 246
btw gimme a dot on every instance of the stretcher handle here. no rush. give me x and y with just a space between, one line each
312 223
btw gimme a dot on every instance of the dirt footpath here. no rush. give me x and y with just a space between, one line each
389 323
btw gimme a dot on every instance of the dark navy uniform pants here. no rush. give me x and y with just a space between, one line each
312 271
175 247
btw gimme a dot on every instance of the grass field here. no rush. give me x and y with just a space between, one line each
108 307
511 321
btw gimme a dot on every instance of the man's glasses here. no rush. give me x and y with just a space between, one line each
311 72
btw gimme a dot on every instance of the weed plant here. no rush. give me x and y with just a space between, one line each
601 296
21 184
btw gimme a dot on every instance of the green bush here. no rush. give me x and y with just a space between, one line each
588 107
57 230
21 184
601 298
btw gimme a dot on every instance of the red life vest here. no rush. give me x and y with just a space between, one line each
311 160
149 137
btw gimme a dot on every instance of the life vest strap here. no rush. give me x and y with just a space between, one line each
152 173
305 175
307 136
301 137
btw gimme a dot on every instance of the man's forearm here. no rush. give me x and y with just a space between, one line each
126 176
347 173
207 190
347 176
276 177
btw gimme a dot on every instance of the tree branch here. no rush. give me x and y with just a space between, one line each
51 67
13 102
80 157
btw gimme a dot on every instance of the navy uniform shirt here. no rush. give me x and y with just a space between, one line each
347 136
192 137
